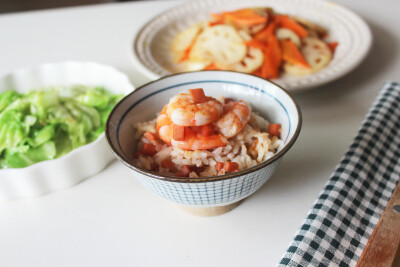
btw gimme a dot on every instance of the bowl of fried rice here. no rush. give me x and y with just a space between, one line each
204 140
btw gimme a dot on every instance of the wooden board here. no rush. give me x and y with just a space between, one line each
383 245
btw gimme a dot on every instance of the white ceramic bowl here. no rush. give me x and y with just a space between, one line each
151 46
80 163
270 100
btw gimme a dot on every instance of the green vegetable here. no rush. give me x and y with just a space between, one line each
48 123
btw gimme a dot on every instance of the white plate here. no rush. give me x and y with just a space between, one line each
151 47
50 175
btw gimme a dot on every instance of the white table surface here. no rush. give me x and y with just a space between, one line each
112 220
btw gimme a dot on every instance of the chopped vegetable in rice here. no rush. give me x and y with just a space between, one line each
199 136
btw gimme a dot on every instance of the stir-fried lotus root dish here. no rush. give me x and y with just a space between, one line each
200 136
257 41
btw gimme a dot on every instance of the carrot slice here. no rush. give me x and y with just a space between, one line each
167 163
276 53
274 129
216 19
148 149
264 34
332 46
285 21
150 136
267 69
212 66
272 59
207 130
219 166
178 132
230 166
198 95
244 17
186 53
256 44
292 54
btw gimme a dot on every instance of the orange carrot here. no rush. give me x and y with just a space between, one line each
272 59
292 54
267 68
219 166
198 95
274 129
244 17
186 53
178 132
212 66
332 46
285 21
264 34
148 149
207 130
167 163
150 136
216 19
256 44
230 166
276 53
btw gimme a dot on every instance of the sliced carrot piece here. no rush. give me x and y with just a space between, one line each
186 53
264 34
230 166
216 19
150 136
198 95
272 59
148 149
332 46
212 66
178 132
267 68
285 21
292 54
276 53
274 129
256 44
244 17
167 163
219 166
257 72
207 130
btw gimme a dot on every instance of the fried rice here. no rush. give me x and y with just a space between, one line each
251 146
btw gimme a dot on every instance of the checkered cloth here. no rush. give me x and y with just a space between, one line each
338 226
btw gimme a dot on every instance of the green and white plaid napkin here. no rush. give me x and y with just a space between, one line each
338 226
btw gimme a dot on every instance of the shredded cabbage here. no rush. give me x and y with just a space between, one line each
48 123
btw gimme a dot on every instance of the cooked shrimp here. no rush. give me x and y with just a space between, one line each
164 126
185 111
236 116
195 141
192 140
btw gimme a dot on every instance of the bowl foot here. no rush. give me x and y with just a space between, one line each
210 211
